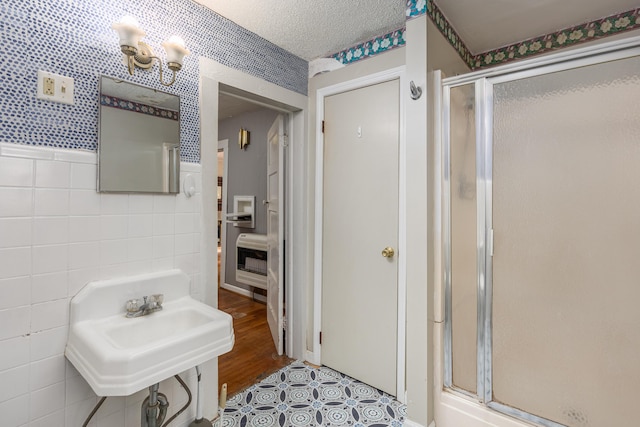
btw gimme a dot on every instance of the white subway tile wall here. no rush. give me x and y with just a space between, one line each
56 234
16 232
16 202
51 202
49 230
15 412
15 292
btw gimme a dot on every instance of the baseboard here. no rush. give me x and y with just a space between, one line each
409 423
243 292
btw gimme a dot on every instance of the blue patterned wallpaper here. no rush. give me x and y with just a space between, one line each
74 38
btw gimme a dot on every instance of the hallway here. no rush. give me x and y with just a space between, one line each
254 356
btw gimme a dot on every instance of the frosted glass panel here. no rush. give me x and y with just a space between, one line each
464 298
566 266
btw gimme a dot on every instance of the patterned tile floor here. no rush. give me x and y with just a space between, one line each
300 395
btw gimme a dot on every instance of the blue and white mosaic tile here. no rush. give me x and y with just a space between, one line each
75 39
300 395
371 47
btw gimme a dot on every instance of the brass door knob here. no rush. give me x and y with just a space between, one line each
388 252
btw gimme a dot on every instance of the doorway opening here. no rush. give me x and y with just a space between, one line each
247 241
216 78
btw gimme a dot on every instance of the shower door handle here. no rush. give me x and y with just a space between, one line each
388 252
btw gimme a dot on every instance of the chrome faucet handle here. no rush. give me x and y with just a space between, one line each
156 303
133 305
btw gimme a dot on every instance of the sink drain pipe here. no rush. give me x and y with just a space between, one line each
144 424
154 408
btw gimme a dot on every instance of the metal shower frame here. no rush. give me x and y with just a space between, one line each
484 82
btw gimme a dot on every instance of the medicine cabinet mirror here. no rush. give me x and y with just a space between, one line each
139 139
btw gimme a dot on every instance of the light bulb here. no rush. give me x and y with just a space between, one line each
176 51
177 40
129 21
129 32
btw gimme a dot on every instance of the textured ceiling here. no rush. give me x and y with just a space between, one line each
312 29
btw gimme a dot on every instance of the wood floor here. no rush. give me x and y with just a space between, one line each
254 355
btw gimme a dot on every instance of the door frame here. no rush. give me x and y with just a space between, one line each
280 124
381 77
212 74
223 145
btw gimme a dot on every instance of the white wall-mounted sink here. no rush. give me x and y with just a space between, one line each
119 356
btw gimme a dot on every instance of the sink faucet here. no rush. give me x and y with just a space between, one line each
150 304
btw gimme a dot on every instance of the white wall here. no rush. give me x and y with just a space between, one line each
441 55
56 234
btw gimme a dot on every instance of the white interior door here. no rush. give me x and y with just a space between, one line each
223 146
360 220
275 186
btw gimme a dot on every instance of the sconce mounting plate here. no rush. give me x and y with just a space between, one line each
144 57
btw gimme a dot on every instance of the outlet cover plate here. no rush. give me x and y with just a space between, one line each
62 87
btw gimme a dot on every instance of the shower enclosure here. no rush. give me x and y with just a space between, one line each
541 228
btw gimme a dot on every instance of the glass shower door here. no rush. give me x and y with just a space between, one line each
461 255
566 227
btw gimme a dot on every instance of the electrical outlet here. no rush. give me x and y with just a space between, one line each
49 86
56 88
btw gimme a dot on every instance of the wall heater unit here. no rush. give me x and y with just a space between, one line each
251 259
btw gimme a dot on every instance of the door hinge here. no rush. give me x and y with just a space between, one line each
320 337
323 126
284 323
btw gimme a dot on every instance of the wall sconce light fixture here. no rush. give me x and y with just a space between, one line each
243 139
139 54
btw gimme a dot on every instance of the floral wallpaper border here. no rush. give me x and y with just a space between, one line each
589 31
446 29
371 47
416 8
123 104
